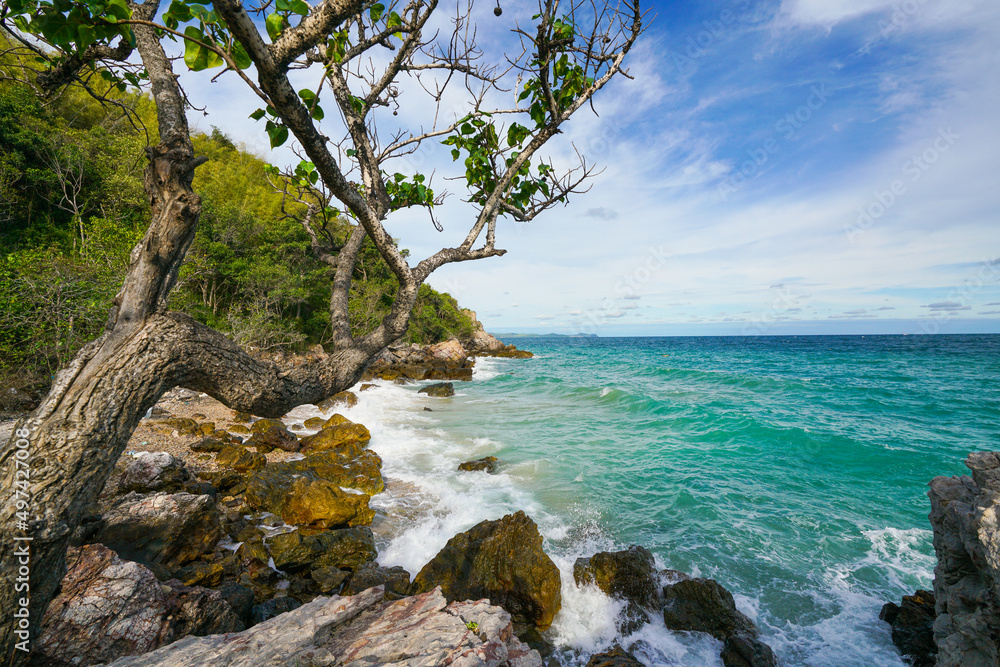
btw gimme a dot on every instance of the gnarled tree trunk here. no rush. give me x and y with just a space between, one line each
81 429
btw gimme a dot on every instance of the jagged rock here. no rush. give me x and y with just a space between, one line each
201 573
336 419
395 580
108 608
226 481
361 472
345 398
272 608
367 386
628 575
913 627
318 503
164 529
616 657
964 517
703 605
314 423
329 579
440 390
240 598
154 471
346 549
418 631
348 438
482 343
501 560
487 463
449 350
197 611
240 459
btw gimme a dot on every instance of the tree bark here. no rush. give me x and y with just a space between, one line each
81 429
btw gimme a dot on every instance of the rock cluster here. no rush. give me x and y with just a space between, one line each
450 360
419 631
689 604
965 517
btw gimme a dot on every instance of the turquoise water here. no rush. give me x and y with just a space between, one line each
791 469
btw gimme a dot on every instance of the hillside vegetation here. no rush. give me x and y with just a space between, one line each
72 207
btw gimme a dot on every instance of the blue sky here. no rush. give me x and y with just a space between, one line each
802 166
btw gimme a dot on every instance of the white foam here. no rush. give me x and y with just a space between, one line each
899 552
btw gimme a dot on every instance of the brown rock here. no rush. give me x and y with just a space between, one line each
348 438
616 657
913 627
240 459
346 549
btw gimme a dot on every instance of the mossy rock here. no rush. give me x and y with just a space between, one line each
329 579
367 386
628 575
314 423
336 420
240 459
201 573
273 436
346 398
240 429
345 549
361 472
501 560
349 438
182 425
209 445
318 503
487 463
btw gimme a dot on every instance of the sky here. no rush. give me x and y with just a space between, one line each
784 167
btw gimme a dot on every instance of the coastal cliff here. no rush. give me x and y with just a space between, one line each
967 576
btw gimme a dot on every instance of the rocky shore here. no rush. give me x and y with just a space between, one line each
224 539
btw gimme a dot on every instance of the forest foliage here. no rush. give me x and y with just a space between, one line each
72 208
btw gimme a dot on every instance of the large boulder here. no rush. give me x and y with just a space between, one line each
913 627
628 575
162 529
362 472
965 517
108 608
703 605
418 631
501 560
345 549
154 471
269 434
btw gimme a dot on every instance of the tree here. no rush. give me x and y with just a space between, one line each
367 57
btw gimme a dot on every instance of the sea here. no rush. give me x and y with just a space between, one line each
793 470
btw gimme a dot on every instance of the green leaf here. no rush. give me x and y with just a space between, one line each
277 133
275 24
299 7
196 56
85 37
241 57
375 12
258 114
